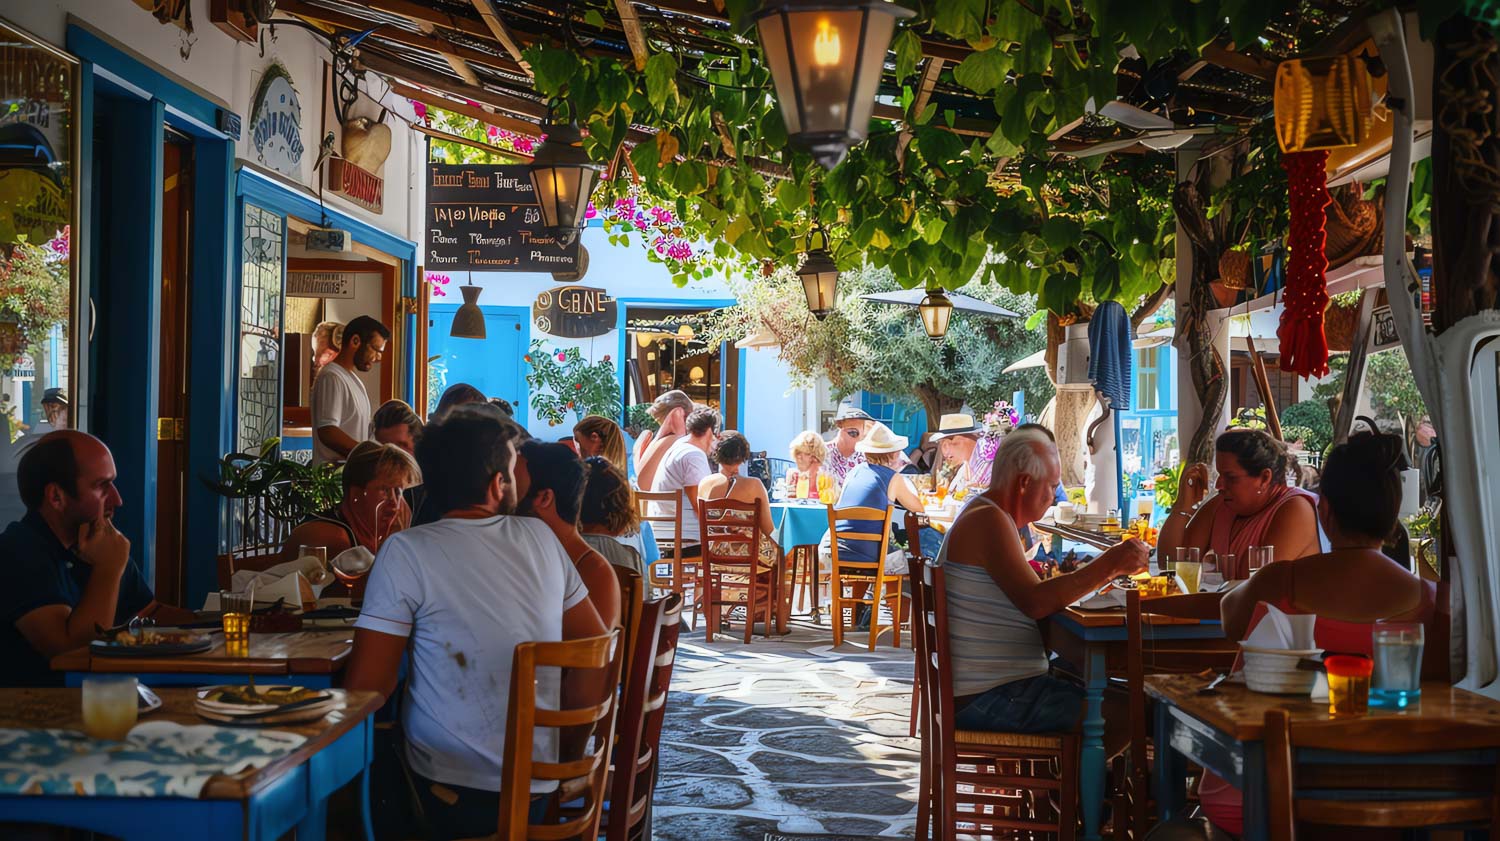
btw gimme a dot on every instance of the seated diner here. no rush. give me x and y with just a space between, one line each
874 483
731 452
1253 506
373 507
549 482
608 517
809 455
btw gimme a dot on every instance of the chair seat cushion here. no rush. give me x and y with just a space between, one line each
986 738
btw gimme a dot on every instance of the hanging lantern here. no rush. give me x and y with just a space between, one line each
563 177
1322 103
936 310
826 58
468 321
820 276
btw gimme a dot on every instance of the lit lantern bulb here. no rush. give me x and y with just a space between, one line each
827 50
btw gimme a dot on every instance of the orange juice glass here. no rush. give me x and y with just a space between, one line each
1348 684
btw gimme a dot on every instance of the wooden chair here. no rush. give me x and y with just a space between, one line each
922 648
881 586
643 706
915 560
680 571
1457 792
729 535
1012 783
253 558
1145 655
584 776
632 599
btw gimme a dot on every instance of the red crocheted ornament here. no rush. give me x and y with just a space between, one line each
1304 347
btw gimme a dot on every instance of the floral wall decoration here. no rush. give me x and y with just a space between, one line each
562 381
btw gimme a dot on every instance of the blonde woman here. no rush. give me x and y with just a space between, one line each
596 435
810 454
373 507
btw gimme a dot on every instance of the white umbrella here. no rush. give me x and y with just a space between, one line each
961 302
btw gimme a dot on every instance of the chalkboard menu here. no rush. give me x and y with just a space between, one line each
484 218
574 312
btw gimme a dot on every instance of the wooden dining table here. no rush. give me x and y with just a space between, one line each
1222 732
290 792
311 658
1094 643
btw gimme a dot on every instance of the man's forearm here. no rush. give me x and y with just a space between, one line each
1056 593
97 607
336 439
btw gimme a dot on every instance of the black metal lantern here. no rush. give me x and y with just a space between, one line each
820 277
936 309
563 177
826 58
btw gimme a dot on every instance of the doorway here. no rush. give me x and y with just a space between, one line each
494 364
171 398
664 352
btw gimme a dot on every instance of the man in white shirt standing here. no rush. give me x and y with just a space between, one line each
340 404
458 595
682 468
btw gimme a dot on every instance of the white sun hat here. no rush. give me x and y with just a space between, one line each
881 440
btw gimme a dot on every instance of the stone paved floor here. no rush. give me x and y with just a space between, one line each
787 735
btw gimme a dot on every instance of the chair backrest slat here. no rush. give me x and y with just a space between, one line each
734 527
643 704
858 513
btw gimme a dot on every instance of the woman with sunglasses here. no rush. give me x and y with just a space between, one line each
1254 505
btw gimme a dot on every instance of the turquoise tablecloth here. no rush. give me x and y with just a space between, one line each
798 524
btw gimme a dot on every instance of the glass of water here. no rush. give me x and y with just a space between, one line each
1397 682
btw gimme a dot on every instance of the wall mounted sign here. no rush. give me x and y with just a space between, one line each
484 218
359 186
1383 329
276 123
302 284
574 312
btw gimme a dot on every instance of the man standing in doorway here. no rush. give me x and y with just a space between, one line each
340 404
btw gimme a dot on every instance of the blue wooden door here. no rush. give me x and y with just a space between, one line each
495 364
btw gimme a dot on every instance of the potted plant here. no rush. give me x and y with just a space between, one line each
562 381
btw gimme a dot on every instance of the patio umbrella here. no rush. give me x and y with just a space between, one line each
961 302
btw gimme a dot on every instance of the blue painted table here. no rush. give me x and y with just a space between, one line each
1223 733
310 658
258 805
1093 641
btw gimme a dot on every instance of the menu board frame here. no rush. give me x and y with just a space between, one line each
484 218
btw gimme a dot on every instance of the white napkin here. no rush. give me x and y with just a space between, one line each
1281 630
307 565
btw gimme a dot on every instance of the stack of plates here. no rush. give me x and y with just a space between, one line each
1275 671
281 705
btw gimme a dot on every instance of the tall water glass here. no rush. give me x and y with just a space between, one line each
1397 682
1259 556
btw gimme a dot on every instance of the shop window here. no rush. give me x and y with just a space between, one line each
263 243
664 352
38 315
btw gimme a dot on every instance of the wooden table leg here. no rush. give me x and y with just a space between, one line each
1093 760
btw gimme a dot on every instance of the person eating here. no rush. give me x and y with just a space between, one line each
1254 505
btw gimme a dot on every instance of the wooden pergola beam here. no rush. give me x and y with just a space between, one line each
453 138
635 36
435 99
1219 53
928 81
437 81
462 68
500 31
431 43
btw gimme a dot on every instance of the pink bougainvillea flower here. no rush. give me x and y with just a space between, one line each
493 133
591 212
420 108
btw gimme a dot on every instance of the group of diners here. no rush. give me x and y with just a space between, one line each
1004 677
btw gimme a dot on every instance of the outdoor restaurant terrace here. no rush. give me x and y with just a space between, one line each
749 419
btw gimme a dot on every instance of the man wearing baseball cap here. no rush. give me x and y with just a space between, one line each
850 426
55 407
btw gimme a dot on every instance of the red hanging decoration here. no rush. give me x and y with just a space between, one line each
1304 347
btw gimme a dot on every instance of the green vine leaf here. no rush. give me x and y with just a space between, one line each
661 79
908 49
982 72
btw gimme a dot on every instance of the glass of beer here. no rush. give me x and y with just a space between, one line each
1348 684
109 706
236 609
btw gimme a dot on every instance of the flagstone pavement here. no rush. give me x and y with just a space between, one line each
787 735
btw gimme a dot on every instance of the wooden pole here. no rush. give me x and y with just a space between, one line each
1263 384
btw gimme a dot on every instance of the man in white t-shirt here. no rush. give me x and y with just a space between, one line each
458 595
682 468
340 404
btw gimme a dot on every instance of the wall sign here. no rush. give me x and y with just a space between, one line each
483 217
276 123
301 284
1383 329
359 186
574 312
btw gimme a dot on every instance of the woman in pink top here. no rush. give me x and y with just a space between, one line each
1254 505
1349 588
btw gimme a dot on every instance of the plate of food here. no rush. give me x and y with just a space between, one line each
276 704
149 642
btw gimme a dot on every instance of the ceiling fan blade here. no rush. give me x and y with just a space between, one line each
1167 142
1137 118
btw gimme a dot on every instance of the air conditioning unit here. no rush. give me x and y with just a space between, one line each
1073 358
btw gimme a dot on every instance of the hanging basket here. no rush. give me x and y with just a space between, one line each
1339 325
1234 269
1355 226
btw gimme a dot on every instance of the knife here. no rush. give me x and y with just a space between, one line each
305 702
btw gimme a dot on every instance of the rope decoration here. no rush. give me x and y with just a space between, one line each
1304 347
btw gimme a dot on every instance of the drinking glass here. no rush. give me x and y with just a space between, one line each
236 608
1190 574
109 706
1259 556
1348 684
1397 682
942 493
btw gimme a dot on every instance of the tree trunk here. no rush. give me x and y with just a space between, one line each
1070 413
936 404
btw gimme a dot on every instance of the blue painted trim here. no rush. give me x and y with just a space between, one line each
271 194
739 387
129 75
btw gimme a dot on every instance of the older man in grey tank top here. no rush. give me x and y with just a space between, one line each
1001 677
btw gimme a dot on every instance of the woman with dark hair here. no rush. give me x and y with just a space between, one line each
456 395
1349 587
550 486
1254 505
395 423
607 515
731 452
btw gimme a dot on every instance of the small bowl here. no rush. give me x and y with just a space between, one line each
1274 670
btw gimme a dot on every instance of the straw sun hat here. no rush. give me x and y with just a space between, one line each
881 440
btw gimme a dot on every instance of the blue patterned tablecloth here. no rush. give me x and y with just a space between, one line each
157 759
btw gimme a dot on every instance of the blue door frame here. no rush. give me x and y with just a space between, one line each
120 215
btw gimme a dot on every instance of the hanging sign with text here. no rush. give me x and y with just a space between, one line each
574 312
484 218
303 284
